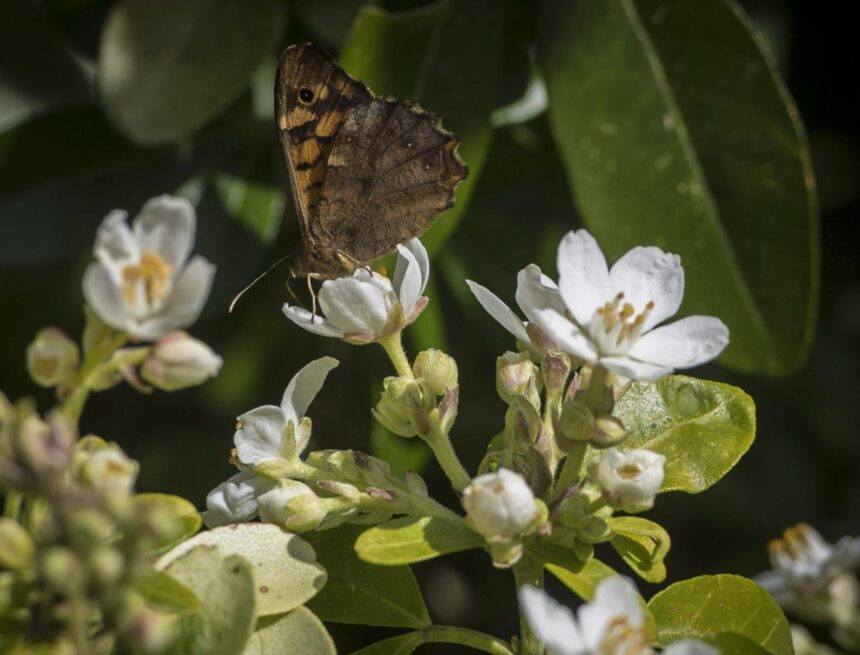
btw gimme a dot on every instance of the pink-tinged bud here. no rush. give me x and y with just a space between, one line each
178 361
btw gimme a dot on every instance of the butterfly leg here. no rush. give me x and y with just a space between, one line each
313 297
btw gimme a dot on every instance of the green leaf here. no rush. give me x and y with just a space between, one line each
676 130
362 593
642 544
708 606
285 566
399 645
166 592
408 539
298 632
703 428
166 71
184 517
39 72
580 577
419 55
226 587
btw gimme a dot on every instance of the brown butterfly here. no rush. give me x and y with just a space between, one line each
367 173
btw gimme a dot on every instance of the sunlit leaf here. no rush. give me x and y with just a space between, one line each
184 517
166 592
642 544
298 632
407 539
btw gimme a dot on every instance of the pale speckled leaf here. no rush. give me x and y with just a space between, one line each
298 632
285 568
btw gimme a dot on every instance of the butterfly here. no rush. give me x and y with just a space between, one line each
366 172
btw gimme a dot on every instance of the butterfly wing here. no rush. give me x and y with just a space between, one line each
313 96
391 171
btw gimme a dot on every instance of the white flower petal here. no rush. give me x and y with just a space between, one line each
166 226
687 342
565 333
845 554
186 301
499 311
552 622
615 597
690 647
260 434
583 275
536 291
634 369
115 245
312 323
104 297
304 387
647 274
411 273
354 305
235 500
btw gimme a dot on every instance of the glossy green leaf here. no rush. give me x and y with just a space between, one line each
642 544
581 578
225 585
362 593
703 428
184 517
676 130
164 73
407 643
708 606
399 645
407 539
420 55
298 632
285 568
166 592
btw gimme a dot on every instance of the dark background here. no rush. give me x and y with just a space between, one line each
803 466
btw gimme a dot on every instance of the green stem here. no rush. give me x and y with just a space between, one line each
12 505
74 405
442 448
393 346
528 571
465 637
596 385
571 470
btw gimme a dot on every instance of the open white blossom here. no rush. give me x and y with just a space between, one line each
629 479
811 577
611 316
368 305
143 281
613 623
500 504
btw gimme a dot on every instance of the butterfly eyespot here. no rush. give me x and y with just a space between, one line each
306 95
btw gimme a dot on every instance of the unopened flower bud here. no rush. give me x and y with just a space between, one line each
342 489
45 447
178 361
446 410
60 569
594 530
522 422
629 479
107 566
576 422
500 504
16 546
555 368
517 375
52 358
292 505
149 630
608 431
438 369
414 483
405 405
109 469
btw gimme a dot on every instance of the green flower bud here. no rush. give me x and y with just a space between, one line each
371 470
438 369
405 405
89 527
52 358
342 489
446 411
16 546
107 566
594 531
108 469
555 369
608 431
292 505
522 422
178 361
414 483
517 375
576 423
61 569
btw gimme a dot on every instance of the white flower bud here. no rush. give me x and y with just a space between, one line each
110 469
629 479
500 504
438 368
178 361
517 375
293 505
52 358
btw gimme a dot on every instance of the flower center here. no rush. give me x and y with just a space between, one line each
616 326
147 283
621 638
629 471
802 550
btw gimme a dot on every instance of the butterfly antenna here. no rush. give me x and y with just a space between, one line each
256 279
294 296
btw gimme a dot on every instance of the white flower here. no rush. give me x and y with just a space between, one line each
236 500
809 575
609 316
178 361
263 434
500 504
629 479
367 306
143 282
613 623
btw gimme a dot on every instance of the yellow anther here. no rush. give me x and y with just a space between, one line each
153 272
629 471
627 311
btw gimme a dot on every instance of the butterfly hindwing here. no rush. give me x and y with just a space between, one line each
391 171
313 97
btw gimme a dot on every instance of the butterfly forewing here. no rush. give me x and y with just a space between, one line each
313 97
391 171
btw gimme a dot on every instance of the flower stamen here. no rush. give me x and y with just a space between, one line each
621 637
615 326
151 276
